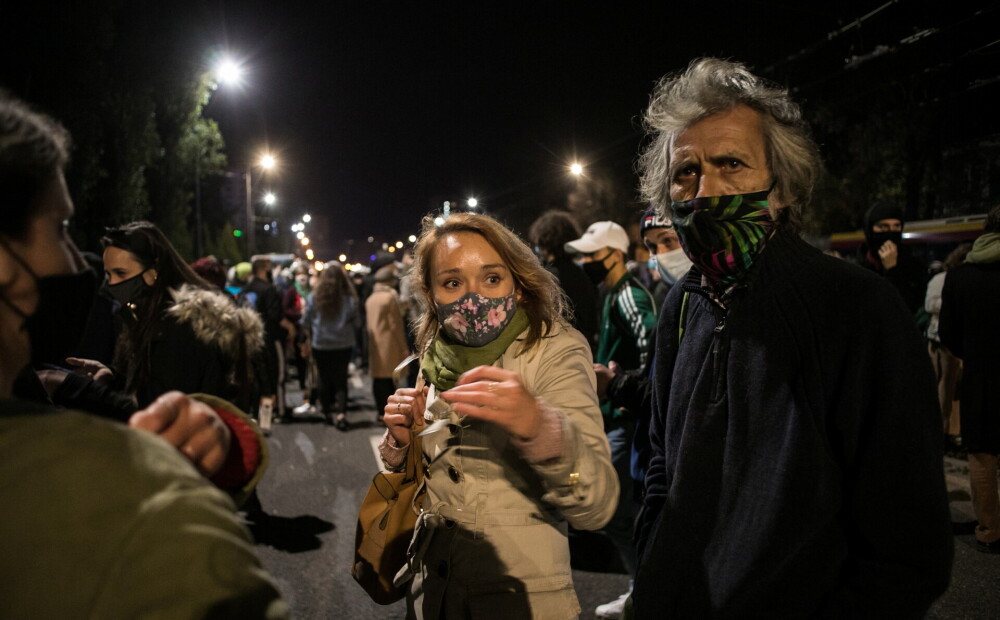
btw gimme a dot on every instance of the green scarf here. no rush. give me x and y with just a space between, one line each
986 249
444 362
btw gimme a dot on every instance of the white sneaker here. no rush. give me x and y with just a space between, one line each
612 610
304 408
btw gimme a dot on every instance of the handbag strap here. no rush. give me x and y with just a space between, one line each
414 455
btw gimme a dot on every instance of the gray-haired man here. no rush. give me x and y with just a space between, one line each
796 451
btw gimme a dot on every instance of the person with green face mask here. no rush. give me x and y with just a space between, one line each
796 467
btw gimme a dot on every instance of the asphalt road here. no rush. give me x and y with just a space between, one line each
318 476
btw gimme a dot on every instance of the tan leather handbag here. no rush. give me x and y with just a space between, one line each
386 520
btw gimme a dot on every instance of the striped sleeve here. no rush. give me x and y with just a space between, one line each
636 306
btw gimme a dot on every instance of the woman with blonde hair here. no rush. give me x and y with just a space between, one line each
518 452
329 322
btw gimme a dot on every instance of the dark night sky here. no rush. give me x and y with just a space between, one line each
380 110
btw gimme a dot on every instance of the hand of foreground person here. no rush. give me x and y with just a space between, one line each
92 368
888 254
190 426
399 411
497 395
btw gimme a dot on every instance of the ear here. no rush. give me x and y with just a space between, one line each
150 276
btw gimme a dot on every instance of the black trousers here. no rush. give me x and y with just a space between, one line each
331 366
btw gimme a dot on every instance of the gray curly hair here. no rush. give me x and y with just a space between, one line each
709 86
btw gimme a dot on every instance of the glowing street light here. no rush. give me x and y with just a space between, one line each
300 235
399 245
267 161
439 221
319 265
228 71
307 218
304 241
342 258
472 202
270 199
576 169
309 254
412 238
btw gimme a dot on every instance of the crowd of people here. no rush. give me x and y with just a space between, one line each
756 426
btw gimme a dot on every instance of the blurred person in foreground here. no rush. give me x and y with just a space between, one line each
796 465
102 520
970 306
516 452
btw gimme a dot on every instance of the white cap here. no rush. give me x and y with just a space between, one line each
599 235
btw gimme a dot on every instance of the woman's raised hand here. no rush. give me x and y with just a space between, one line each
497 395
400 410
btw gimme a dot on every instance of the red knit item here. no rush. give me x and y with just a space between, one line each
244 453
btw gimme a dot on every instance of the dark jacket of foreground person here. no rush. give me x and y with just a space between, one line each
103 521
797 465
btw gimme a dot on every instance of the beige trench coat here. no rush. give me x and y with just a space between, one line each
386 333
492 540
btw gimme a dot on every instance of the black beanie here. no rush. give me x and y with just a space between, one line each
882 211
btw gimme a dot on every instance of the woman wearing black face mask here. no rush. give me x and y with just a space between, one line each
176 332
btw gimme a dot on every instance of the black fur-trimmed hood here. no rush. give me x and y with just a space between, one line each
217 320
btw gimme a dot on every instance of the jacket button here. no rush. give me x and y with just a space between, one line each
454 473
443 569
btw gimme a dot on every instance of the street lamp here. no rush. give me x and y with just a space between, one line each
228 71
472 202
307 218
269 199
266 162
576 169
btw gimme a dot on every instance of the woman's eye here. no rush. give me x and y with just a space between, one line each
450 283
493 279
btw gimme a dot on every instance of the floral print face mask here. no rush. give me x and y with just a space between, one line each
474 320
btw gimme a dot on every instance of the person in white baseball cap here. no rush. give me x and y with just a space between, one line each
627 322
602 242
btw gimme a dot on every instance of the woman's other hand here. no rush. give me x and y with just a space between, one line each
400 410
189 425
497 395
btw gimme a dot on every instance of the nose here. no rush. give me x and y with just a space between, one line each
709 185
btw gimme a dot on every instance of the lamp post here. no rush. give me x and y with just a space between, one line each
266 162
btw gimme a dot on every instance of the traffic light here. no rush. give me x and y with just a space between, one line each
237 233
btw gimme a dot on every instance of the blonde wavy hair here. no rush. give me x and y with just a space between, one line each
541 297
